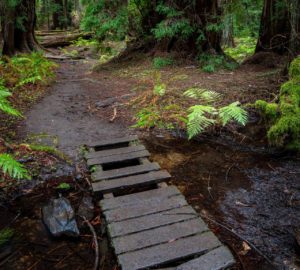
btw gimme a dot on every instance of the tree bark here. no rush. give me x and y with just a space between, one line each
201 14
16 38
57 15
279 30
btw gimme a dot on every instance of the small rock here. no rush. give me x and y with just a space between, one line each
106 102
86 208
59 217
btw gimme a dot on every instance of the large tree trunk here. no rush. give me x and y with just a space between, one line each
16 38
57 15
200 14
279 30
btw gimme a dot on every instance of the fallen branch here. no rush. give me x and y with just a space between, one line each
64 40
239 236
95 238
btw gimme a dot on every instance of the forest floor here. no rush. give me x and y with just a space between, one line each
229 176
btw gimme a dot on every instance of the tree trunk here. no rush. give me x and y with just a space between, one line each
279 30
57 15
203 18
16 38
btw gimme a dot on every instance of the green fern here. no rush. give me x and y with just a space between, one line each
233 112
197 121
203 94
12 167
4 103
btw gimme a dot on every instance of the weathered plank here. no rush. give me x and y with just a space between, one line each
138 198
217 259
145 179
117 158
145 208
151 221
168 252
127 171
113 141
158 235
116 151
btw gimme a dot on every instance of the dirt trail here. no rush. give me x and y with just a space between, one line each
65 112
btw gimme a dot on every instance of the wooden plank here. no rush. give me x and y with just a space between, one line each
116 151
145 208
144 180
151 221
132 170
217 259
113 141
158 235
137 198
169 252
117 158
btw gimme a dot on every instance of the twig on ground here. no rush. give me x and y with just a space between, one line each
228 171
114 115
239 236
95 238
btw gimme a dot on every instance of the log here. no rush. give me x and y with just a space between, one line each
64 40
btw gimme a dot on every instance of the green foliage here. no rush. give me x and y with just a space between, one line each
12 167
202 116
48 149
211 62
64 186
107 19
5 106
5 235
164 113
234 112
32 68
148 118
284 118
161 62
81 42
203 95
245 47
198 121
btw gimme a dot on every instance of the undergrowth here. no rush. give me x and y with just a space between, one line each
195 110
244 47
18 74
283 118
161 62
211 63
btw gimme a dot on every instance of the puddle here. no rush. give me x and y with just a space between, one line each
256 194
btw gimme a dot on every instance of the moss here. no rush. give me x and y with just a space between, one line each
48 149
5 236
269 110
294 70
284 117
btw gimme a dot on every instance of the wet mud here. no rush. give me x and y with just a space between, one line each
256 194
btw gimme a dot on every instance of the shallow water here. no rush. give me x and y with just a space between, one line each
254 193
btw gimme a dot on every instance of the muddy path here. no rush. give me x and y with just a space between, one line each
64 114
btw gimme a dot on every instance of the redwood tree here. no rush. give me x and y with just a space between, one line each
17 27
280 27
184 25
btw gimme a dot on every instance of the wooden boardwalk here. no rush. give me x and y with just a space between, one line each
154 228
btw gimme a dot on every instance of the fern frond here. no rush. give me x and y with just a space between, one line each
7 108
233 112
197 121
204 94
12 167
